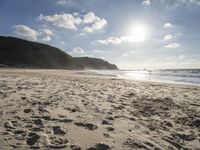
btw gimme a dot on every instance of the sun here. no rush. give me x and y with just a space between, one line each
138 32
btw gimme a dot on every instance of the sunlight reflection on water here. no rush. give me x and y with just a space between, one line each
186 76
137 76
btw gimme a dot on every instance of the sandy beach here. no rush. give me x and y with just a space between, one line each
56 109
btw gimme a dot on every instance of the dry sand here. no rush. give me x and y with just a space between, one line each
53 109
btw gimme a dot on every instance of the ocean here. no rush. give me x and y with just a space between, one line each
182 76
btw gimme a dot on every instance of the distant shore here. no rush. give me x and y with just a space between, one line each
58 109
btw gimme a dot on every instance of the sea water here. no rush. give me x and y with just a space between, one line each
183 76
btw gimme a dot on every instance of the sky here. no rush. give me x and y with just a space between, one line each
133 34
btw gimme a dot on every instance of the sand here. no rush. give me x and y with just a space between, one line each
55 109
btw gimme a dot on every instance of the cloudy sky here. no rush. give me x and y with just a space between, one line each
130 33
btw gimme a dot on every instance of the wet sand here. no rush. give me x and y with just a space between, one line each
55 109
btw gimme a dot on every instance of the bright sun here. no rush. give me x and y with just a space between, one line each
138 32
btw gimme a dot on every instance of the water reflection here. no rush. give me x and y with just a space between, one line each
137 76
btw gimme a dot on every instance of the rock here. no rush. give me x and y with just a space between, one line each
61 116
23 132
175 144
57 146
19 137
186 137
58 130
107 122
23 98
58 143
14 146
8 138
75 147
100 146
132 119
5 133
41 109
110 128
44 117
36 129
196 123
120 107
14 122
17 117
169 124
32 138
106 135
9 125
75 109
66 120
28 110
58 140
110 118
88 126
135 144
38 122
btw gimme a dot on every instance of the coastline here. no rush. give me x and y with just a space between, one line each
143 77
91 110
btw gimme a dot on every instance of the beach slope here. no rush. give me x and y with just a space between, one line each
53 109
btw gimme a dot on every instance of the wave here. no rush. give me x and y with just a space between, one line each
191 76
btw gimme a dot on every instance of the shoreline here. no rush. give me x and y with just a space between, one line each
61 109
93 73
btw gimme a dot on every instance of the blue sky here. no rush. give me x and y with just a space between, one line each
130 33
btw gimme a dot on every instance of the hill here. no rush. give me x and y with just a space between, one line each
91 63
18 53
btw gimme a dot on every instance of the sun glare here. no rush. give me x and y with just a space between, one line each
138 32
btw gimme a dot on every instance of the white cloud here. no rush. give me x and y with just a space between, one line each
78 50
176 58
189 1
174 4
41 35
168 37
182 57
133 52
47 32
102 57
96 22
195 1
97 25
88 22
69 3
146 2
46 38
82 34
125 55
61 2
62 42
22 30
110 40
89 17
63 20
120 40
173 45
168 25
97 51
133 38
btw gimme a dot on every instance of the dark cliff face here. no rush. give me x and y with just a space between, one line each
92 63
20 53
25 54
